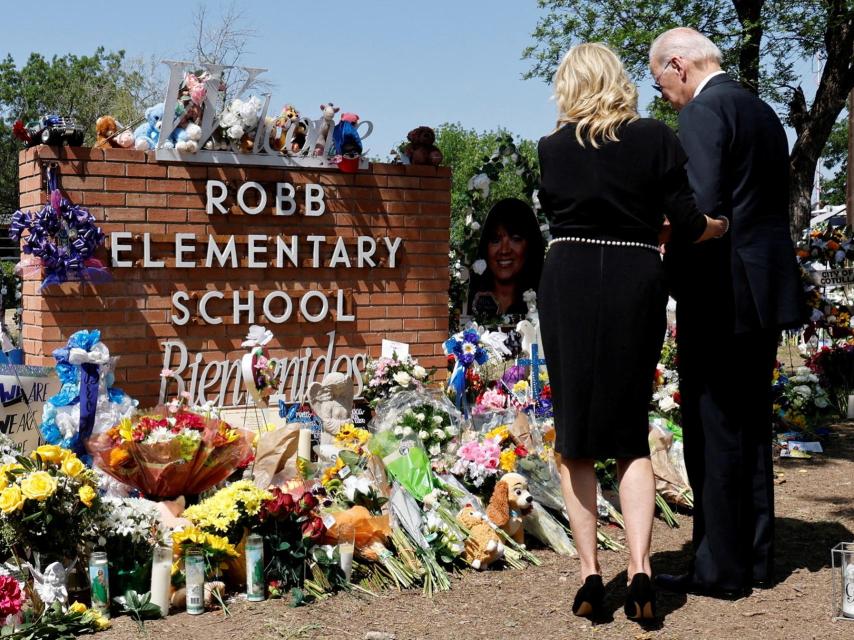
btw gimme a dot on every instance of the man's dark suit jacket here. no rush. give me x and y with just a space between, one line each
739 168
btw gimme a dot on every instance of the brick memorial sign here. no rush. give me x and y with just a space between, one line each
332 263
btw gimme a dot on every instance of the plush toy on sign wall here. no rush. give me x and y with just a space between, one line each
346 137
329 111
421 148
280 126
147 134
107 131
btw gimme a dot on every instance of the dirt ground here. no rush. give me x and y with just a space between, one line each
815 511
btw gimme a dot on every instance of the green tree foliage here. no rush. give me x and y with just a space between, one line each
465 151
79 87
835 158
761 41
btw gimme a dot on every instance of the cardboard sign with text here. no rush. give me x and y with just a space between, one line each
21 413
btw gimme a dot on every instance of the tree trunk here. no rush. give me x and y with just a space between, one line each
849 182
813 128
749 16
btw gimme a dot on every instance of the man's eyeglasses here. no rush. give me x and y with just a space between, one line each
655 84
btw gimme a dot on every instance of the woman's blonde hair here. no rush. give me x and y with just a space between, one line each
593 90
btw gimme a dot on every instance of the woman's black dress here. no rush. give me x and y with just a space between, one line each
603 308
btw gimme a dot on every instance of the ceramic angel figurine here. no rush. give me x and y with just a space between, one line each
332 401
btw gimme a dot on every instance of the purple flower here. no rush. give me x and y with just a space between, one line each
514 374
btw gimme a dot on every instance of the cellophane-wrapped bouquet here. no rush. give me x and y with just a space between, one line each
171 451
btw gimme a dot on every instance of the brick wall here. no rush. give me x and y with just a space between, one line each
128 190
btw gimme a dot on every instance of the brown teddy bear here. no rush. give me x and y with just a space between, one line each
106 128
483 546
510 502
421 148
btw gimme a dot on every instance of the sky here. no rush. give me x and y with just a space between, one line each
399 64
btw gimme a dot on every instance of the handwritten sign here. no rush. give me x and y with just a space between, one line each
22 397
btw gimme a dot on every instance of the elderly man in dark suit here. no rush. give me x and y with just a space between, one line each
733 295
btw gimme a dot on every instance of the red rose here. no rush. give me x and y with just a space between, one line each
280 505
521 451
677 397
307 502
313 529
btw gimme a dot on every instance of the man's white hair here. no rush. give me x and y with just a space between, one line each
686 43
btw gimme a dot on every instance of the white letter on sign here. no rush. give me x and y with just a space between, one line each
213 250
203 306
216 200
116 247
324 306
392 250
257 245
268 301
249 307
262 198
181 249
314 196
178 298
146 253
282 198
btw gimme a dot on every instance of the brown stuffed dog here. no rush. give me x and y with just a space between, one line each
510 502
421 148
483 546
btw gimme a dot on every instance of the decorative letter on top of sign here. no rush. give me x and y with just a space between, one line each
261 153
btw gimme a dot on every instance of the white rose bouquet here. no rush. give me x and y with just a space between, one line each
387 376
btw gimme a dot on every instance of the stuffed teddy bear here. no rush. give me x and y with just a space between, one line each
107 130
483 546
279 127
147 134
421 148
510 502
329 111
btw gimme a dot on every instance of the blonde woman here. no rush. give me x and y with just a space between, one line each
608 179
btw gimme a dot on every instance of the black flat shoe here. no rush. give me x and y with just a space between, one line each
640 599
589 599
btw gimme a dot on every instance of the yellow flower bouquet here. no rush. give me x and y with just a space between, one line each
48 492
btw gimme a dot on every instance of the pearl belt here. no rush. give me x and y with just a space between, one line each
607 243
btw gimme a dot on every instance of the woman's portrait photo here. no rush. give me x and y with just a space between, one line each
509 260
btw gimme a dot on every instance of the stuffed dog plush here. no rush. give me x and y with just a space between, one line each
483 546
510 502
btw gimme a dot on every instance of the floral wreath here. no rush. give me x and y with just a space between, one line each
62 238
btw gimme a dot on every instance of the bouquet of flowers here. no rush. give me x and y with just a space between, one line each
466 350
477 464
230 511
171 451
387 376
835 368
217 550
291 527
239 122
665 396
51 491
130 528
430 424
803 403
444 536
